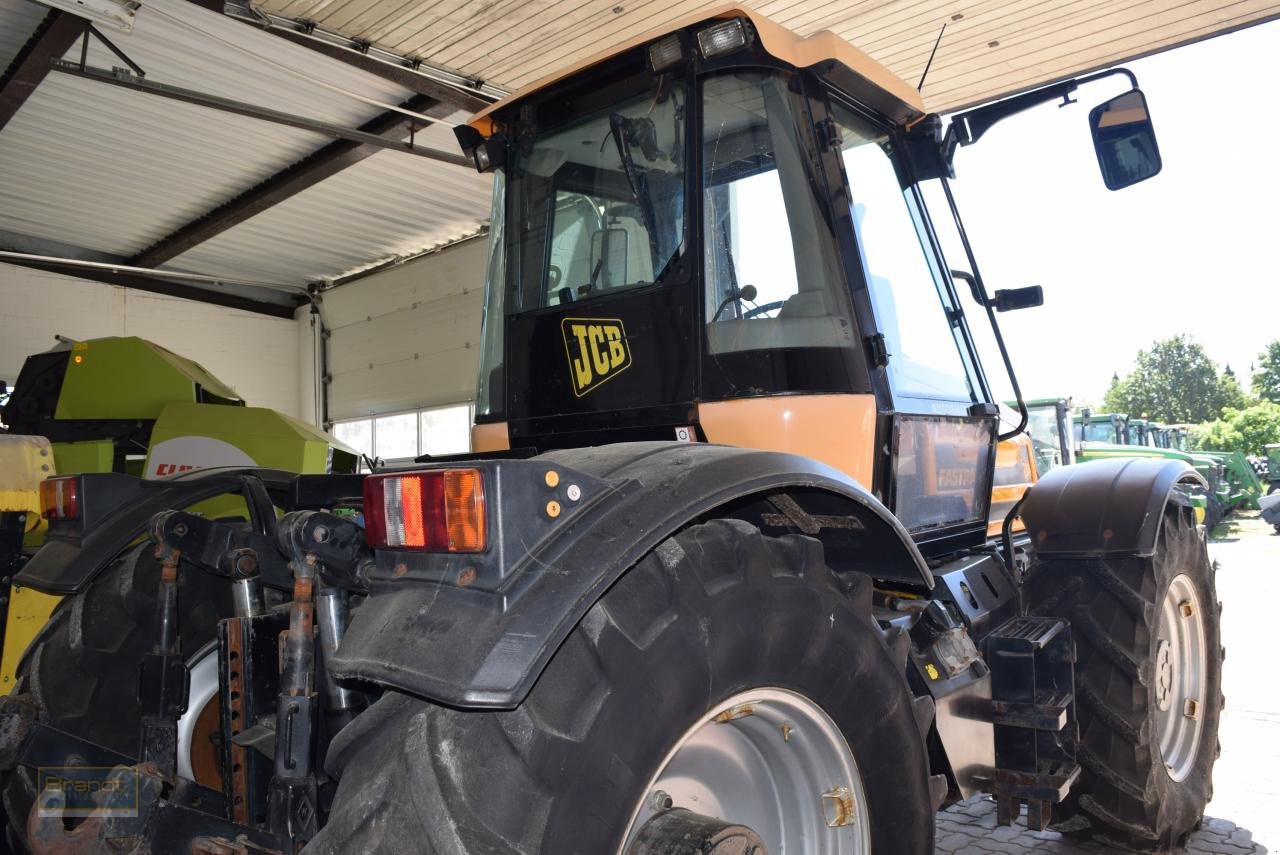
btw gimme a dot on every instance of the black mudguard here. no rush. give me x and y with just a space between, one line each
1104 507
118 509
454 638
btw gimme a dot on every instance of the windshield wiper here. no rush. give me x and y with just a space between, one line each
620 126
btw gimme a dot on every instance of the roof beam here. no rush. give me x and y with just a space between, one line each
400 75
168 288
288 182
53 37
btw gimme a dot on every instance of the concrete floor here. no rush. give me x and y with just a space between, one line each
1244 816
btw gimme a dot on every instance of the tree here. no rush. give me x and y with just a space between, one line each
1246 430
1175 381
1266 378
1230 392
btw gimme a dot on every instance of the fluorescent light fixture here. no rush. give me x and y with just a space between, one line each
115 14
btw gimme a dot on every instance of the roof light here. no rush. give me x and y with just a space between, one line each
665 53
724 37
60 498
442 510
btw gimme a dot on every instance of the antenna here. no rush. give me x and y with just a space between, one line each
932 54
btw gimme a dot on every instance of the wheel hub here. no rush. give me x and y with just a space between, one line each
768 762
1180 677
679 830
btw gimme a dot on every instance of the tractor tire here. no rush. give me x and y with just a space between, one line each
1213 513
82 667
710 614
1148 728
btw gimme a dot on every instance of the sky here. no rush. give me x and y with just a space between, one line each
1191 250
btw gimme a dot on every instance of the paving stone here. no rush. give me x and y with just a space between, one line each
969 828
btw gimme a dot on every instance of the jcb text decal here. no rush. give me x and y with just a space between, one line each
597 351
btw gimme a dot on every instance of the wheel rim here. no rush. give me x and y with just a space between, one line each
772 760
1180 680
195 751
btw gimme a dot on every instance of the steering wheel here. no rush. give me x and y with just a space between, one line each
767 307
553 277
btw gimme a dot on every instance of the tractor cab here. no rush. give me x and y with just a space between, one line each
718 235
1102 427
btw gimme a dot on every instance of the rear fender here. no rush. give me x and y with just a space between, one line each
1107 507
478 632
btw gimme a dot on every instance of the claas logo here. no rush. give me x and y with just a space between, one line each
597 351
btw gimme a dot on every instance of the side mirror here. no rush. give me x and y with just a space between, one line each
1124 140
1018 298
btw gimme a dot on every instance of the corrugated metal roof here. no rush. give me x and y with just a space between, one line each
112 170
103 169
345 222
990 48
18 20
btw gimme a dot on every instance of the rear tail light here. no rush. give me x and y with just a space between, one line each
60 498
442 510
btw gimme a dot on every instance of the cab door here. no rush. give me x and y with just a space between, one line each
938 427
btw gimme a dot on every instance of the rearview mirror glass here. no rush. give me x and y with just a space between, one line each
1124 140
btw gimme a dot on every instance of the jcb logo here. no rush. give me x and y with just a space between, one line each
597 351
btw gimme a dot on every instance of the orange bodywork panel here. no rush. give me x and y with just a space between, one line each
490 437
838 430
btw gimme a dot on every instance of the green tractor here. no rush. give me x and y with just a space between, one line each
130 407
1272 468
1104 436
1051 424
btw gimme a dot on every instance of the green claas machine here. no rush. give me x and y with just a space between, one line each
125 406
717 576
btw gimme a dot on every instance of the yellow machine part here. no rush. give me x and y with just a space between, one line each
25 461
29 611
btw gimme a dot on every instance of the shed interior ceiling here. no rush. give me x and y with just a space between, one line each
103 173
990 48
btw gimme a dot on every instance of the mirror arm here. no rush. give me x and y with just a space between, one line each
974 280
968 127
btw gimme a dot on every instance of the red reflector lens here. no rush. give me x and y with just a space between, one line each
438 511
60 498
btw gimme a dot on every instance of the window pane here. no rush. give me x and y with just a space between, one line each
924 346
397 436
358 435
446 430
599 202
772 278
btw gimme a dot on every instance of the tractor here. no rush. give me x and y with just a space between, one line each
718 575
1115 435
126 406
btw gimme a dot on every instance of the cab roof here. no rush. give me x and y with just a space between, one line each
776 40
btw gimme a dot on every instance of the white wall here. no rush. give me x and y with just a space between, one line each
265 359
408 337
